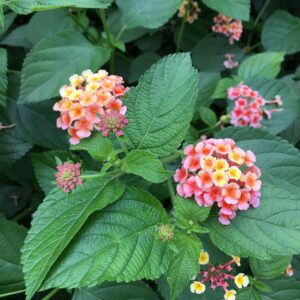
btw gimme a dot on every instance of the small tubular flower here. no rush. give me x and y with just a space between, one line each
230 295
189 10
289 271
217 171
203 258
241 280
197 287
229 63
92 101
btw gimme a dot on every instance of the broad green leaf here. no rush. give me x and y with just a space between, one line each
67 52
275 224
151 42
3 77
11 240
262 65
221 89
283 289
118 243
145 164
17 38
28 6
237 9
9 18
208 116
249 294
120 291
56 222
281 32
269 269
147 13
157 120
99 147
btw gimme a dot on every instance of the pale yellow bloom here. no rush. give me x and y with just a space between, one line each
230 295
241 280
203 258
237 260
234 173
197 287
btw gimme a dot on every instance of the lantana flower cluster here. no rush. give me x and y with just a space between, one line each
92 101
250 106
191 9
218 171
219 276
229 63
233 29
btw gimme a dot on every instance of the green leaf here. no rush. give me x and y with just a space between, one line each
269 269
157 121
56 222
17 38
117 243
147 13
11 240
281 32
120 291
28 6
68 52
3 77
275 224
145 164
249 294
283 289
262 65
222 86
208 116
237 9
99 147
183 264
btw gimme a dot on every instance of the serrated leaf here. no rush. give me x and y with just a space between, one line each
56 222
3 77
249 294
208 116
145 164
68 52
275 223
99 147
11 240
237 9
156 121
120 291
269 269
281 32
183 265
147 13
117 243
262 65
283 289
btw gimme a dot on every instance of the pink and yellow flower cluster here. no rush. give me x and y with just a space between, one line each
249 106
233 29
218 171
92 101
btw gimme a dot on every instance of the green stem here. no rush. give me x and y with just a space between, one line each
123 146
254 47
112 62
171 191
23 214
170 158
91 176
181 30
51 294
12 293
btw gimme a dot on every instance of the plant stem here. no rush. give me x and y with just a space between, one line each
171 191
91 176
12 293
170 158
52 293
22 214
181 30
123 146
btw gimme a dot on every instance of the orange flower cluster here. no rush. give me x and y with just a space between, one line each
192 11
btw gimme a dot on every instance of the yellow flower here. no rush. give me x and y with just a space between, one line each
76 79
237 156
230 295
92 87
75 95
197 287
207 163
241 280
237 260
220 178
203 258
234 173
87 73
65 91
221 165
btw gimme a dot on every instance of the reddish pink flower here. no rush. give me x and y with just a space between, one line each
229 63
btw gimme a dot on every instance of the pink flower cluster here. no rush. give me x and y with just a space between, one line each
229 63
67 177
229 27
249 106
218 171
92 101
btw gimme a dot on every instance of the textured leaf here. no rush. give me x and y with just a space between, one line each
157 121
17 38
208 116
3 77
57 220
67 52
120 291
146 165
249 294
281 32
275 224
28 6
183 264
283 289
269 269
237 9
11 239
97 146
262 65
118 243
147 13
222 86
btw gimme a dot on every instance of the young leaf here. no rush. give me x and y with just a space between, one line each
147 13
11 240
3 77
183 265
275 224
262 65
145 164
117 243
56 222
68 52
237 9
157 121
281 32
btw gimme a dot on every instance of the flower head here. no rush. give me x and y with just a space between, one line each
241 280
229 63
230 295
165 232
190 11
197 287
203 258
